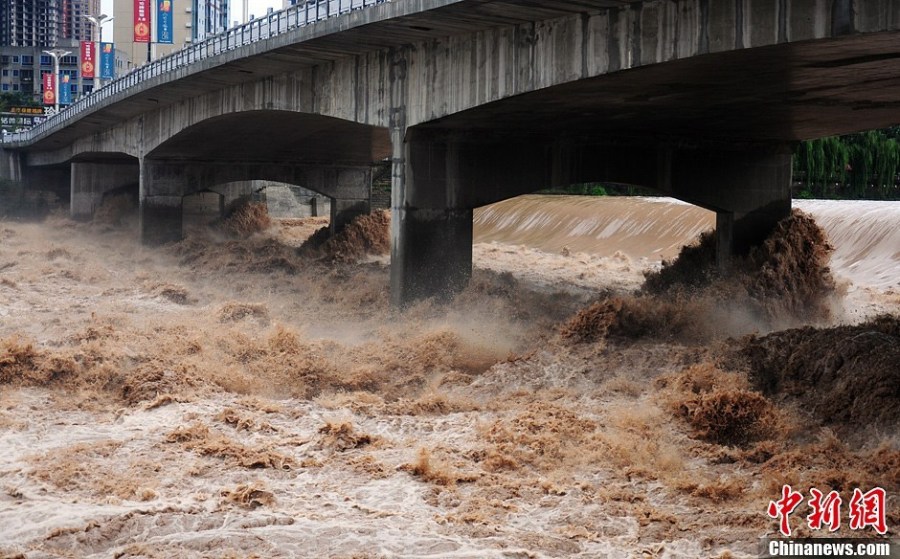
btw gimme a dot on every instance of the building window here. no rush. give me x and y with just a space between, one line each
45 60
15 73
5 73
27 60
15 87
15 59
6 87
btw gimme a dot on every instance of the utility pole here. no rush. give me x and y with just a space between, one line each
98 23
56 54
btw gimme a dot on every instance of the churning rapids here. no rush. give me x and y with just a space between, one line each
249 393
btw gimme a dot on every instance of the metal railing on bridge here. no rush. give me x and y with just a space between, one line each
260 29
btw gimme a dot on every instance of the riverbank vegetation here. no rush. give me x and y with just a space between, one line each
855 166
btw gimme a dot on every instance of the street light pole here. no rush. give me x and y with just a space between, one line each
98 22
56 54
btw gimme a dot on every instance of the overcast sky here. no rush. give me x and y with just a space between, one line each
256 7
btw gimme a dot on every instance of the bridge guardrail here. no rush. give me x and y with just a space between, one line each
260 29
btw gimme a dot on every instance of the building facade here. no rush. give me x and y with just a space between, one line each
137 54
210 18
73 25
46 23
30 23
21 69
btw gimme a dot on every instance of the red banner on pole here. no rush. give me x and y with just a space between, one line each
49 89
141 21
88 60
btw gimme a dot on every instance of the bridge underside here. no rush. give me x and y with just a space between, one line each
779 93
223 155
714 130
277 137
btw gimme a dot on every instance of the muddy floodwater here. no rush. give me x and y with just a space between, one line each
245 393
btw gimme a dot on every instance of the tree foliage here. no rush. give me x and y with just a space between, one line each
16 99
860 165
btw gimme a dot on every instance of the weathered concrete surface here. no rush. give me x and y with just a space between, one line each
344 210
290 201
749 189
164 181
200 209
431 225
55 179
10 165
431 253
161 219
186 177
91 181
761 70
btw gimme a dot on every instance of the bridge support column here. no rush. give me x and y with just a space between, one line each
431 253
431 230
161 202
348 188
343 210
90 181
750 191
37 191
10 165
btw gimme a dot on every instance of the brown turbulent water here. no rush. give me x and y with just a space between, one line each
238 397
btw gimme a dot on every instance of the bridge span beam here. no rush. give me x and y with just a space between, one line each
439 176
164 183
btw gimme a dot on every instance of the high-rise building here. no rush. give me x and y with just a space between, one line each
210 18
28 28
30 23
5 23
73 24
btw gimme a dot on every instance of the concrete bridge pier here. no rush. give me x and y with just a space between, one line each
46 188
431 226
90 181
161 192
749 189
344 210
349 189
10 165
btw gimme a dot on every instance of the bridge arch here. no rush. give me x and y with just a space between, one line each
275 136
326 155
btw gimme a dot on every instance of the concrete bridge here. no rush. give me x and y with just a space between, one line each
475 101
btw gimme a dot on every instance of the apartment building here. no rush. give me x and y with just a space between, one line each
73 24
210 18
30 23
